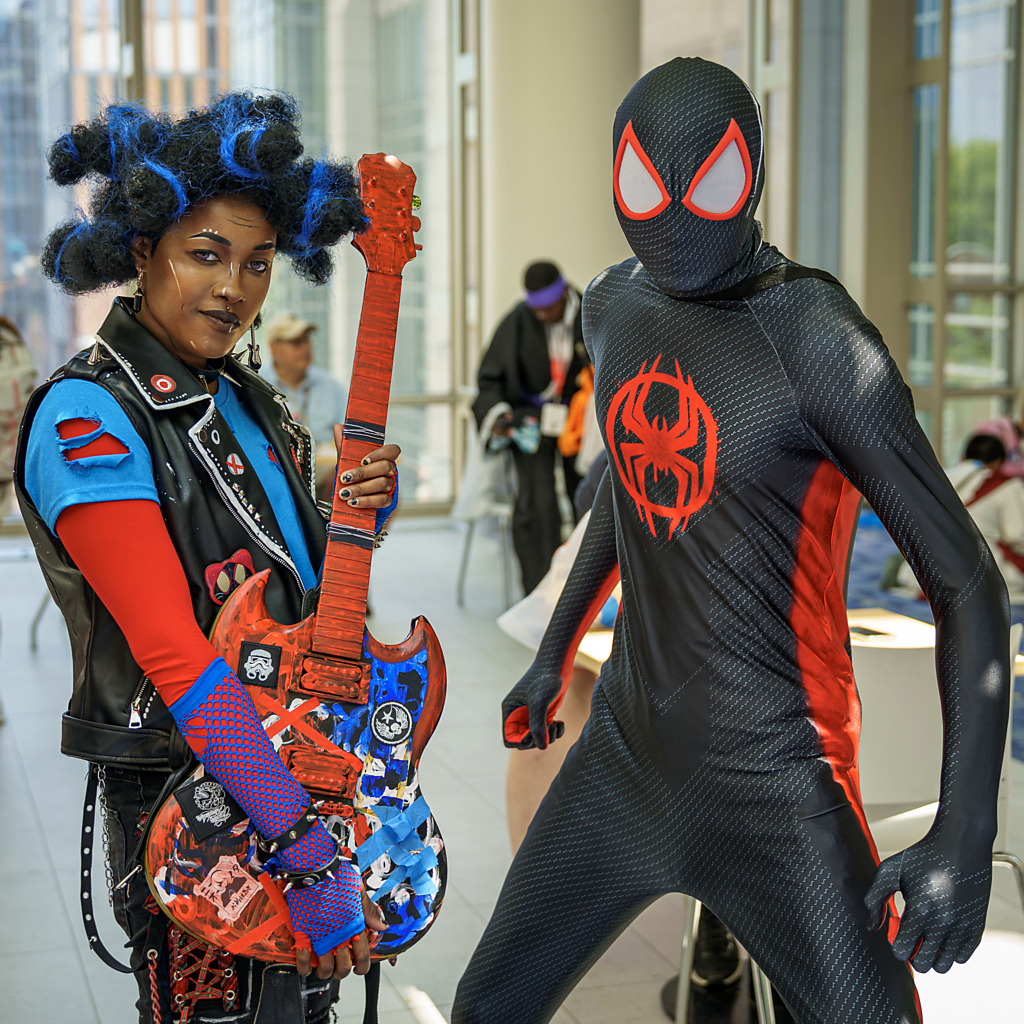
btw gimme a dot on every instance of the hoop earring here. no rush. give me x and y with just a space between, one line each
254 350
139 293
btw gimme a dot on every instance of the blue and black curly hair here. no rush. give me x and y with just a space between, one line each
150 170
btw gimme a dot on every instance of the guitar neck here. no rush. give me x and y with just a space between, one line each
341 615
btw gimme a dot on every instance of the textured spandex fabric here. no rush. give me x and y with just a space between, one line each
720 758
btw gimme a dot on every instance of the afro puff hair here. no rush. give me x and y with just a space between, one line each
149 170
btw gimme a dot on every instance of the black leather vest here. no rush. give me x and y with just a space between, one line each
213 505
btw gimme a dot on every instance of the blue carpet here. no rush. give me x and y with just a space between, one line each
871 548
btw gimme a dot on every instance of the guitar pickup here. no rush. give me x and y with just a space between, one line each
340 680
322 775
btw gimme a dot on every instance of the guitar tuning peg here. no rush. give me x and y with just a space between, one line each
417 247
416 202
416 225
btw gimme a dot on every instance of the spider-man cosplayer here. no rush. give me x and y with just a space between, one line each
155 472
720 758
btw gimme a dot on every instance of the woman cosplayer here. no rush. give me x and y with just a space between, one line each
153 468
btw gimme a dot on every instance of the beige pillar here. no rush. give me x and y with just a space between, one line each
876 166
552 75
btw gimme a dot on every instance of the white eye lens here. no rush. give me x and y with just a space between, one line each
723 185
639 191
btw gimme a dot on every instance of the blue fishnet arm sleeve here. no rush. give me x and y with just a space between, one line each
219 722
384 514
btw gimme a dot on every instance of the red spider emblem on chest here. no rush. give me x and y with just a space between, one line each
653 448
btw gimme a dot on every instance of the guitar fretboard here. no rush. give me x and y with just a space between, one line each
341 615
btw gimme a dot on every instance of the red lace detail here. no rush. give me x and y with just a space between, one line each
199 972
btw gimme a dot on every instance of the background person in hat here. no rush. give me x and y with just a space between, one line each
316 399
525 382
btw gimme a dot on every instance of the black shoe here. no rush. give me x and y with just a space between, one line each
716 957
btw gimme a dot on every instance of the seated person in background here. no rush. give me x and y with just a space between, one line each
1010 433
315 398
995 499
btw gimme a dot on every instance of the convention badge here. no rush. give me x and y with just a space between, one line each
552 418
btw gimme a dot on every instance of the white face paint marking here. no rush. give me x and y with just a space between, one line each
189 343
177 283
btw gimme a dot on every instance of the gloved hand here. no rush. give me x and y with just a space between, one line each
330 913
946 888
528 711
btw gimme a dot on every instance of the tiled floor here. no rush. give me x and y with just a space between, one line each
48 975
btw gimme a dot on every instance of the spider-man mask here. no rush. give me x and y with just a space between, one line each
688 174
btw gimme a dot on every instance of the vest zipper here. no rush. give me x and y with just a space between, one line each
136 711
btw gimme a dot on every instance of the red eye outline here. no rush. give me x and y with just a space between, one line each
629 139
732 134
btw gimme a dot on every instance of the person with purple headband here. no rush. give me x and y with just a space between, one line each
525 383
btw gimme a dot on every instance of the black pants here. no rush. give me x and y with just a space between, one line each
536 519
268 993
779 856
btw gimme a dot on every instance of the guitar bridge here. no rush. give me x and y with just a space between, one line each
340 680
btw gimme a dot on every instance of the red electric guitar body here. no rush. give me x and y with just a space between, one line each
350 716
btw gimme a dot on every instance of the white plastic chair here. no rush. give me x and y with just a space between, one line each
487 491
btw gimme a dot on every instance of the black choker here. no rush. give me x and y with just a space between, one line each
210 373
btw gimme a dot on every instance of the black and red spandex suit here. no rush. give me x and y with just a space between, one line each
720 758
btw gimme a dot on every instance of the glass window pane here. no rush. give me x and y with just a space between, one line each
959 418
777 21
922 329
926 139
977 341
927 29
775 204
980 139
424 432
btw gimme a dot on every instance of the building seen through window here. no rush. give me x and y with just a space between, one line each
939 273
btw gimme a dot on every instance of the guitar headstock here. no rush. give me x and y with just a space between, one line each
386 186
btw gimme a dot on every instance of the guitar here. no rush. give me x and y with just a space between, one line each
350 716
